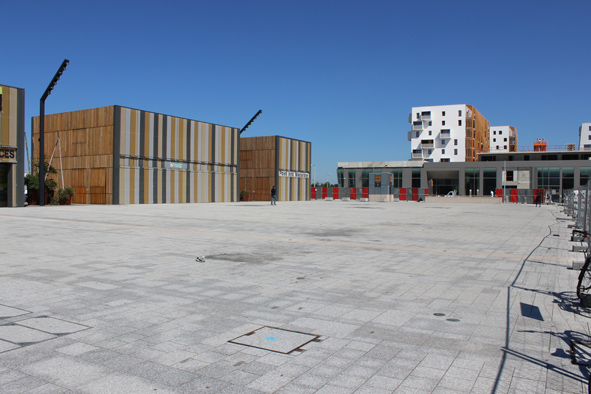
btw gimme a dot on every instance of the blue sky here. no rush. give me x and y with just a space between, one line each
340 74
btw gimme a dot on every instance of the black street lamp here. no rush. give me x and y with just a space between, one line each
52 84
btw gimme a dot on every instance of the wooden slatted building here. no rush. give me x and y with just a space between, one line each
120 155
12 146
274 160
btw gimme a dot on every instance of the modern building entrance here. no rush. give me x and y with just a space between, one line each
443 182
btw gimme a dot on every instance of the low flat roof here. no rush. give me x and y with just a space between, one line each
381 164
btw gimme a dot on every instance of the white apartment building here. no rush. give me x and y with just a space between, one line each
448 133
585 136
503 139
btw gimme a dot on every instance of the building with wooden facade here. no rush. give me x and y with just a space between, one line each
12 146
120 155
275 161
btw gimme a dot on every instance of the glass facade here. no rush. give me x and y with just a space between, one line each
568 178
549 178
472 181
396 177
585 175
489 180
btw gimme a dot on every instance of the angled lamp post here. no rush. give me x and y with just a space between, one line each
42 130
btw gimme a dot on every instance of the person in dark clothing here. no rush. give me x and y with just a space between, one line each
273 196
539 199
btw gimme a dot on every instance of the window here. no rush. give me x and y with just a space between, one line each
430 123
351 178
509 176
443 114
430 132
418 115
500 132
455 152
417 134
443 124
494 132
416 178
505 140
494 140
589 136
443 151
341 177
456 142
505 146
460 113
568 178
460 122
589 128
497 147
430 151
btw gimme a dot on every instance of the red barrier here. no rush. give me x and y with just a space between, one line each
324 192
313 194
514 195
335 193
426 192
353 193
402 194
499 192
415 194
365 192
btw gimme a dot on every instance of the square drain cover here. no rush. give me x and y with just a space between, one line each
580 353
275 339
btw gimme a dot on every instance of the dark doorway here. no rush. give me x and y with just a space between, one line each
4 170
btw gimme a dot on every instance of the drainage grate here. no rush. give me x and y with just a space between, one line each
275 339
580 353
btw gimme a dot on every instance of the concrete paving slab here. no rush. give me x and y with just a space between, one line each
365 277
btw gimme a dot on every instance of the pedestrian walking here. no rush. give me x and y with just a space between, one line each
539 199
273 196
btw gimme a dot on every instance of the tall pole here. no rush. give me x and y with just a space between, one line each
47 92
41 153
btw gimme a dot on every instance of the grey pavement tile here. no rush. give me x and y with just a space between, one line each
65 372
122 384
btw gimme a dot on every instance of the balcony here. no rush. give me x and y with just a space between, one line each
417 154
445 133
427 144
426 115
417 125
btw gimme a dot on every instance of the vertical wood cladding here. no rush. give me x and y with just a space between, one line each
182 161
479 141
262 161
119 155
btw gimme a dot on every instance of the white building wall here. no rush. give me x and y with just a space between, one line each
499 139
585 136
424 128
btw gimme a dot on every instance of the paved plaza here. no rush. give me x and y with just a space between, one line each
302 297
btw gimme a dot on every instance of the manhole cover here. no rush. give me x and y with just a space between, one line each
275 339
580 353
